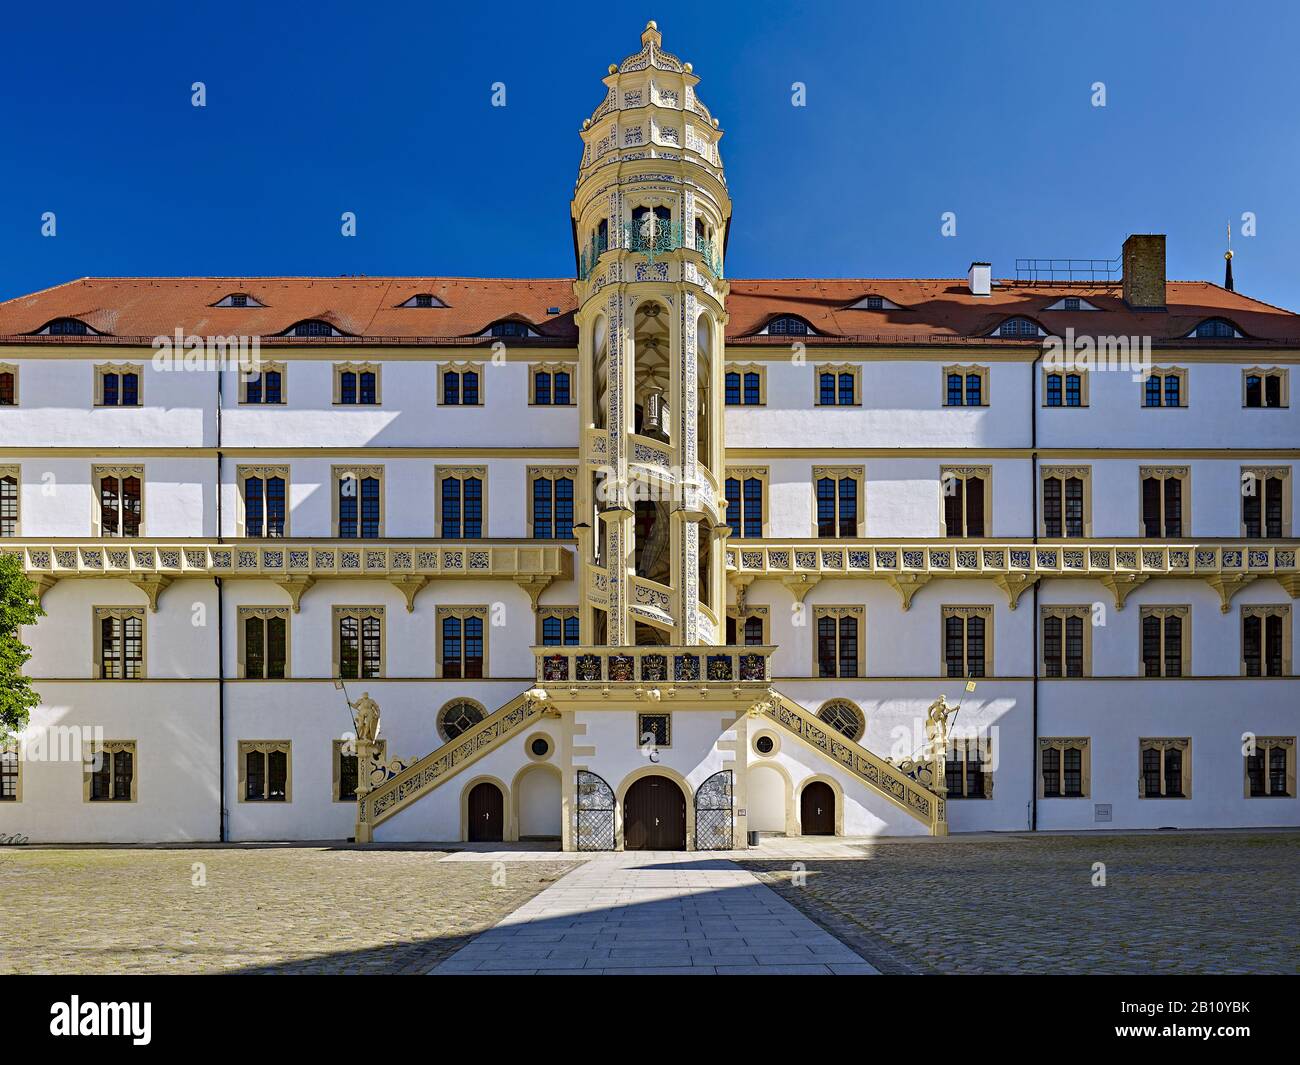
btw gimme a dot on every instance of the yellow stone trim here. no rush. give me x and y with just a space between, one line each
1262 372
965 370
978 610
109 747
1164 744
837 368
358 368
1265 611
269 366
1082 611
1162 372
1064 473
1083 744
858 475
1063 373
119 368
242 474
1184 613
481 612
361 472
265 613
1262 744
265 748
360 613
462 367
552 368
121 613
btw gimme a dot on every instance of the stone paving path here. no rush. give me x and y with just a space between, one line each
660 913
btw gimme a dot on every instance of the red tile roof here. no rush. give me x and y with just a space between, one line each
938 311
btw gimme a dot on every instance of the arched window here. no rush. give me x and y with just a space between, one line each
1214 327
459 716
788 326
1018 327
844 717
509 329
67 327
313 327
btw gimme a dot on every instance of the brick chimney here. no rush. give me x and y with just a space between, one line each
1144 271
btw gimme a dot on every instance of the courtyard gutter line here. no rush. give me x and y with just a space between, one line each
1033 493
221 648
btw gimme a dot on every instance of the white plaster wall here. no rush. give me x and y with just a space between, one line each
902 406
175 729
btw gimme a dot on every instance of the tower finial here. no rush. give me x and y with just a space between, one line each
1227 263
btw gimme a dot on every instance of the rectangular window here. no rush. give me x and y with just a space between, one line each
1270 768
356 384
1266 641
8 386
967 639
10 775
463 652
264 770
358 642
120 491
1164 501
462 505
837 386
264 635
1066 638
460 388
967 771
1166 768
264 386
837 492
839 641
966 495
1064 768
559 627
1264 388
265 500
119 643
965 386
552 386
1165 388
743 387
1165 641
9 498
552 504
1065 502
358 502
1265 502
744 494
117 386
110 775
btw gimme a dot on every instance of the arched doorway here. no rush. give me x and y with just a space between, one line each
537 791
486 810
654 816
817 809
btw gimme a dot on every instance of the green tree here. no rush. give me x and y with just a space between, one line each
19 605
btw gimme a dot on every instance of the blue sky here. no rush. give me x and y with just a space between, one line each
384 109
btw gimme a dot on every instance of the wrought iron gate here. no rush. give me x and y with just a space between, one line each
595 813
714 824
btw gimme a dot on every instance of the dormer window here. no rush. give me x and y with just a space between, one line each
1215 328
313 327
423 299
510 329
238 299
67 327
789 326
875 303
1071 303
1018 327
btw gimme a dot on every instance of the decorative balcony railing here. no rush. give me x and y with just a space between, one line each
1016 566
748 667
591 254
653 237
296 564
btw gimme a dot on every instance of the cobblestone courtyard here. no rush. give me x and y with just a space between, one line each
1184 902
263 909
1173 903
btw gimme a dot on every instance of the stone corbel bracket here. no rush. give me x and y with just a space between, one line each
1228 585
907 585
1015 585
410 588
295 586
1121 584
152 585
534 585
800 584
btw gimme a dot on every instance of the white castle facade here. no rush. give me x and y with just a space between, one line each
652 557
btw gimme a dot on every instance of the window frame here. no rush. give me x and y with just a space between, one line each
265 367
439 721
964 474
839 612
1181 611
358 368
460 368
966 371
534 369
534 474
1065 473
13 748
838 369
98 615
1264 611
262 473
361 473
12 369
740 616
743 474
265 748
1184 398
336 759
463 612
966 612
860 727
742 369
462 474
266 613
119 368
962 744
1164 744
1162 474
1065 612
838 474
1288 744
1065 373
111 747
1061 744
562 614
1261 474
15 471
1262 372
360 614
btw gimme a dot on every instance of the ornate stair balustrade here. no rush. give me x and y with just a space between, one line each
926 805
420 778
731 668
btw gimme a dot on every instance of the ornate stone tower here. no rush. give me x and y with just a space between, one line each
650 216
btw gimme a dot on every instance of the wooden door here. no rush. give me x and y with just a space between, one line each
486 814
817 809
654 816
